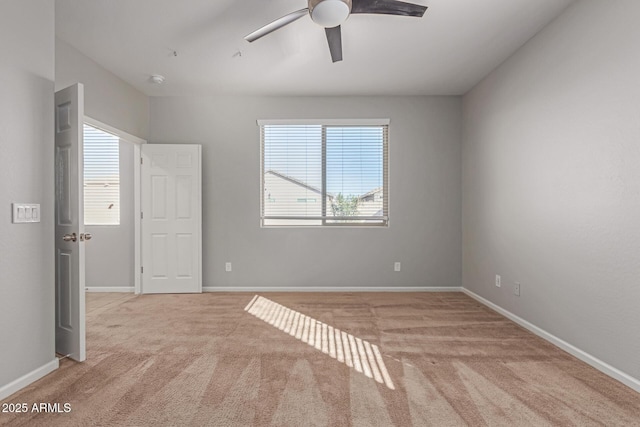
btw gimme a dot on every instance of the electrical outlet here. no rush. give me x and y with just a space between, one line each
498 281
516 289
397 266
227 267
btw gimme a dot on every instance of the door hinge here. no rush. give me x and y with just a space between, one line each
141 215
141 270
141 160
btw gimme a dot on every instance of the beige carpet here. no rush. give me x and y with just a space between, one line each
223 359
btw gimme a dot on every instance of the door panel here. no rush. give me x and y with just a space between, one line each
63 200
69 222
65 265
159 197
184 267
172 218
160 258
183 196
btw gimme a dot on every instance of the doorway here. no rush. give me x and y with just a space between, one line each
70 235
112 206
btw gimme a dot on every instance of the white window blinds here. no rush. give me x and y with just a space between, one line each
324 174
101 177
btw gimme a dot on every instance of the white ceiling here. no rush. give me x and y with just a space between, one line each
448 51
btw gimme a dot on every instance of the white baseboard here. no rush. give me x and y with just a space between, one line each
603 367
110 289
31 377
332 289
295 289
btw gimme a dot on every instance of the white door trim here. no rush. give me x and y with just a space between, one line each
137 221
112 130
137 206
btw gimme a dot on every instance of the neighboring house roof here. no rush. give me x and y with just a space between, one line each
314 189
296 181
370 193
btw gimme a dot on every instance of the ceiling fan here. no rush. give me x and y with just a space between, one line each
330 14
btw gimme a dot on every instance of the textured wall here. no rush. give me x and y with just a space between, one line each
107 97
424 194
551 183
26 175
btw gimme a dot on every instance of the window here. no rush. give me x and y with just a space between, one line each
324 174
101 177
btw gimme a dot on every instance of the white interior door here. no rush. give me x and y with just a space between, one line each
171 195
69 224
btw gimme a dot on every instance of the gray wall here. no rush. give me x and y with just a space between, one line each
110 255
107 97
26 175
425 211
551 181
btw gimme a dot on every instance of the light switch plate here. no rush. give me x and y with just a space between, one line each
25 212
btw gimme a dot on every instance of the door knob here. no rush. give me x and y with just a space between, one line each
85 236
70 237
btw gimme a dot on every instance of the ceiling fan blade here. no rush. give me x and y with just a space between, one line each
277 24
388 7
334 37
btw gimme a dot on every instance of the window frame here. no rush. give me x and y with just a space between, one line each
384 219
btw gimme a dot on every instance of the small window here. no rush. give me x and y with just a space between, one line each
324 174
101 177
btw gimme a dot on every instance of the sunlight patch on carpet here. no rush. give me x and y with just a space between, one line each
354 352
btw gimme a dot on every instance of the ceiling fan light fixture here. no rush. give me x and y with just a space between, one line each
329 13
